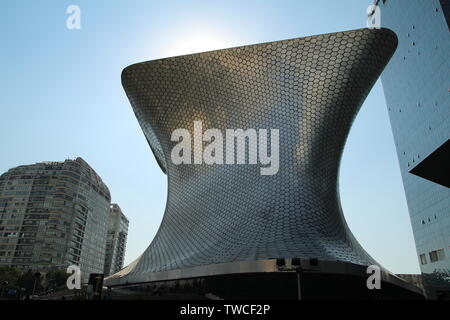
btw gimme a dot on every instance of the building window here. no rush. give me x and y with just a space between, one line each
433 256
423 259
437 255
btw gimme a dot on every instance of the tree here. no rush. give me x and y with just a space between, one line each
8 279
56 278
9 275
31 281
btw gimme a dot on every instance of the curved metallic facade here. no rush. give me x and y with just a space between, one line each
311 90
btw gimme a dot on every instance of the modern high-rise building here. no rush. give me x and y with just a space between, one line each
54 214
116 240
416 84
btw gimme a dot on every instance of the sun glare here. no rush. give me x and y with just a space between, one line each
196 43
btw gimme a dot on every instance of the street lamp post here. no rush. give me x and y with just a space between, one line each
299 286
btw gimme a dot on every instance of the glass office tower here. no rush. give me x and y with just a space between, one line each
416 84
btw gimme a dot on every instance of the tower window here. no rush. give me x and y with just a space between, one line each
423 259
437 255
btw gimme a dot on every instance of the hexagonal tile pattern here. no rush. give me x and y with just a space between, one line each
311 90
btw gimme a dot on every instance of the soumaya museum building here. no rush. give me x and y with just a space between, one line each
234 233
228 230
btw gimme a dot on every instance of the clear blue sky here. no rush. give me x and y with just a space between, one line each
61 97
